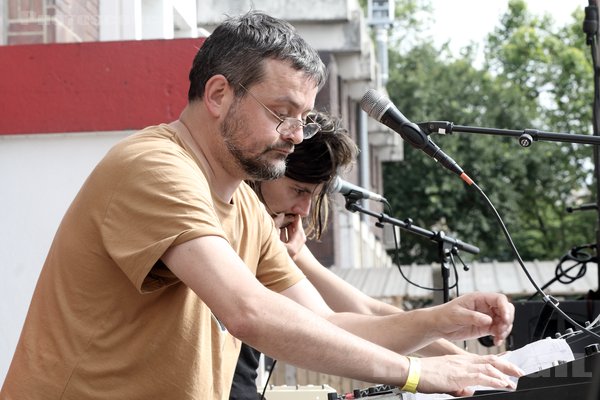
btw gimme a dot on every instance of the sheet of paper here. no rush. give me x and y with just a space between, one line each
540 355
530 358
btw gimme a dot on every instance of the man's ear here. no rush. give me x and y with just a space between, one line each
218 95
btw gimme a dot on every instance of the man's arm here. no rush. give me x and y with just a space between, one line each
469 316
343 297
293 333
270 322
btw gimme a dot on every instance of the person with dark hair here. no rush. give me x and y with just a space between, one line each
166 261
303 195
314 163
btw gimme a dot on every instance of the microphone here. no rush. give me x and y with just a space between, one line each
349 189
381 109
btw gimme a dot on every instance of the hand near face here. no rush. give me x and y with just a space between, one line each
293 236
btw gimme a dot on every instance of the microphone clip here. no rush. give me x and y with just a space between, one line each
352 199
439 127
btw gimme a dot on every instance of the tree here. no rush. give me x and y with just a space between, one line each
534 76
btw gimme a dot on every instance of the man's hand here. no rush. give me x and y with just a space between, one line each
456 374
474 315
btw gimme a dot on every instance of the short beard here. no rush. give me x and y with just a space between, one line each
255 167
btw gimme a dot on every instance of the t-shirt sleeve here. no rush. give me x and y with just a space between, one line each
279 275
160 198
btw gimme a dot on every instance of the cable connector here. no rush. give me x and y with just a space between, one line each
550 299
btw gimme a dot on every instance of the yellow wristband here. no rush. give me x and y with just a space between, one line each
414 374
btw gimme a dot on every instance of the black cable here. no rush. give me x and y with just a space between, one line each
581 259
547 299
262 396
399 266
397 257
558 277
562 274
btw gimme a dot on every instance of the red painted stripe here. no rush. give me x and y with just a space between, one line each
95 86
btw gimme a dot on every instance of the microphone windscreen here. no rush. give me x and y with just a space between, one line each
374 104
336 185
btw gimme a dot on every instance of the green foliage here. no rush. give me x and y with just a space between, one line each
534 75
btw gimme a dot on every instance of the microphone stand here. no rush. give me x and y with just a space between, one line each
590 28
526 138
447 245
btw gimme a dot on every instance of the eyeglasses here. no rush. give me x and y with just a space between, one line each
289 125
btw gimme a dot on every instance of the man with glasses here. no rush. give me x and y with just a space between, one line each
288 124
166 261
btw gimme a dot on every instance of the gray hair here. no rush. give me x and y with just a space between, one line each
237 48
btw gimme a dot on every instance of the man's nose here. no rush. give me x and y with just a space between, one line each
296 136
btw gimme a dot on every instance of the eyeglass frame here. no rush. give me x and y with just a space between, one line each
289 120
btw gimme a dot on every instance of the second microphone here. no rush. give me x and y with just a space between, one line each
348 189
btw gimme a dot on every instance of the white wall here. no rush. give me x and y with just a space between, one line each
39 176
357 246
147 19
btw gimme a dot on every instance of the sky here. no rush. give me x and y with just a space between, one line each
463 21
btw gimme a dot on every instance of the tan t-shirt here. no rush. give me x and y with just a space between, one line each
108 320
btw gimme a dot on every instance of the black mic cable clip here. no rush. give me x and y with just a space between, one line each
351 201
439 127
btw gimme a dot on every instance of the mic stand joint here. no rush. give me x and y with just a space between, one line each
447 245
